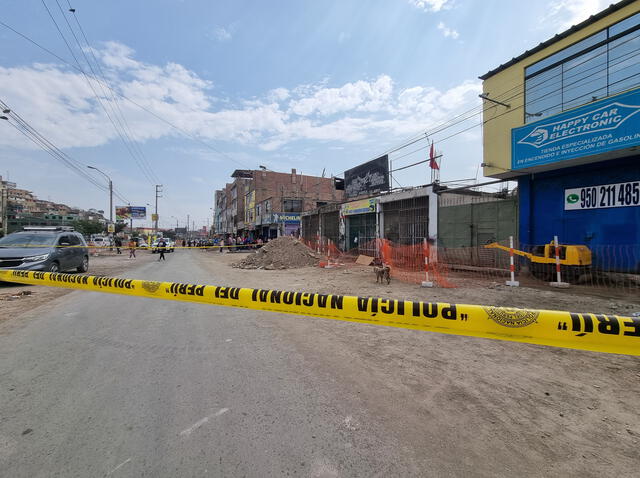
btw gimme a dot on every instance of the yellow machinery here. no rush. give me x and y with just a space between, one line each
575 260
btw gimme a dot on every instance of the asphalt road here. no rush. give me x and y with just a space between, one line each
101 385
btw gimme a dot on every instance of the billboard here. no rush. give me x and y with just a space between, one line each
138 212
130 212
599 127
122 213
368 178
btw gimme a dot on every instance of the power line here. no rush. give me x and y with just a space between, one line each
122 95
117 111
86 77
23 127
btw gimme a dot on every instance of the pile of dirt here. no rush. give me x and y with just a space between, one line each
280 253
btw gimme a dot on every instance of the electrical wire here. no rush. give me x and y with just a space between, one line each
143 163
95 93
125 97
474 111
22 126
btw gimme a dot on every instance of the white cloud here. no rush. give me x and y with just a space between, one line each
361 95
431 5
448 32
58 102
222 33
563 14
278 94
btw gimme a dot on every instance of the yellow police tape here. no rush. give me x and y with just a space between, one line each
595 332
41 246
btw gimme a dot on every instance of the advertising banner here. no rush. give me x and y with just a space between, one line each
603 196
128 212
363 206
122 213
138 212
368 178
599 127
286 217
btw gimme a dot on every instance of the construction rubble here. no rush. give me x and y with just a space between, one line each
281 253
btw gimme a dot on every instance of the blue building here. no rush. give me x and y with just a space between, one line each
563 120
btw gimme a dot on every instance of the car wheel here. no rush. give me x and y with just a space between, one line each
84 267
54 267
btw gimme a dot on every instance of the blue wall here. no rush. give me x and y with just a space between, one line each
542 213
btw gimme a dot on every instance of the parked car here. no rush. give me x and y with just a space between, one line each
170 247
44 249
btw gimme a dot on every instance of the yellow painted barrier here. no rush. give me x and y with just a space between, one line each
585 331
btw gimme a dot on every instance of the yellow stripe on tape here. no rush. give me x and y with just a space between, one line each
598 333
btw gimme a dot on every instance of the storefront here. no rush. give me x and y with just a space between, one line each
571 139
360 223
288 223
405 217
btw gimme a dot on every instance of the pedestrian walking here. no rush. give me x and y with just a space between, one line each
132 249
118 243
162 245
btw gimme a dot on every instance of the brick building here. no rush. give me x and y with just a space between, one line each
268 204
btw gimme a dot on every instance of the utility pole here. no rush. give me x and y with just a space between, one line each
110 201
110 191
130 219
158 195
187 228
4 201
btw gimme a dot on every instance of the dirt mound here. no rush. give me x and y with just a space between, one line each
280 253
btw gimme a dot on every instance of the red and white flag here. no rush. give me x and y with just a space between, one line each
432 158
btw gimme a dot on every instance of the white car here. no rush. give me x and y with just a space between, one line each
170 247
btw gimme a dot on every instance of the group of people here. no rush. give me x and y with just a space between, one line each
194 243
131 245
234 242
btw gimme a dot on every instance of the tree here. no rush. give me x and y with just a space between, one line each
88 227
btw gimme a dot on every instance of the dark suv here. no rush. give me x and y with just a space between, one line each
51 249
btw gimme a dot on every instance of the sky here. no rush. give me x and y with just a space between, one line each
183 92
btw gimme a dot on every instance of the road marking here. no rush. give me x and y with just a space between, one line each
199 423
121 464
228 340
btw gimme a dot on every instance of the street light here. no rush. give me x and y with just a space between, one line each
110 192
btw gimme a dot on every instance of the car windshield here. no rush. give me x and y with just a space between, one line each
29 240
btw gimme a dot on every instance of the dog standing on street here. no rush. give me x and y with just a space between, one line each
383 273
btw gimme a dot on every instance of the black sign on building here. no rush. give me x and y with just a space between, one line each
368 178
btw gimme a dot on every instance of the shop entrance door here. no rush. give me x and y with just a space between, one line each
361 233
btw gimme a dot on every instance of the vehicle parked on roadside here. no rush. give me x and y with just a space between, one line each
50 249
170 245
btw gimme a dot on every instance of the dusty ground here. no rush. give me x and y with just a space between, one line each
523 409
105 264
360 281
572 412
